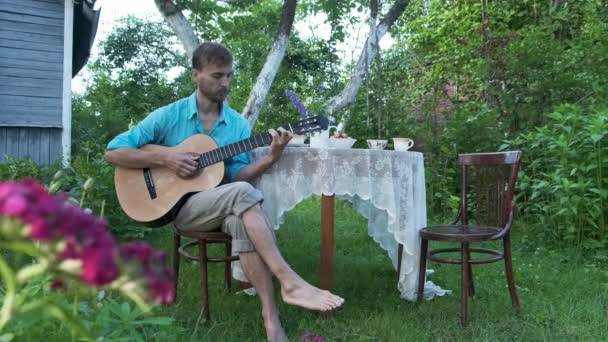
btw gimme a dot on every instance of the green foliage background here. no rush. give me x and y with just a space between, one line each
462 76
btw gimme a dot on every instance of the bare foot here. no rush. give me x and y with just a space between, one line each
303 294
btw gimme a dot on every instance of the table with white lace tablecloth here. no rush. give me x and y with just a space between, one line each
386 187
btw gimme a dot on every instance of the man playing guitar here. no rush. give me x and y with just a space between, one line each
234 207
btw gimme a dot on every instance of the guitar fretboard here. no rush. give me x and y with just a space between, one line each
227 151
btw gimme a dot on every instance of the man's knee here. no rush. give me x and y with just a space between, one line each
244 196
244 187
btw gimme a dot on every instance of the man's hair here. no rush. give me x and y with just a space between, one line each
210 53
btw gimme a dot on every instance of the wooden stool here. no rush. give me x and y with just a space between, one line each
202 239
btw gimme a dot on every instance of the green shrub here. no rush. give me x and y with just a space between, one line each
87 163
19 168
564 175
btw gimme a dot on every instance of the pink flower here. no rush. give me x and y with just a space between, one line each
160 282
13 199
46 204
162 288
136 250
32 204
98 266
311 337
14 207
40 229
70 251
33 185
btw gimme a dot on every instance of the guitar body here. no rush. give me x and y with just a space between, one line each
151 195
152 202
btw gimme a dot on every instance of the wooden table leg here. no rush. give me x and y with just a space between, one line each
327 242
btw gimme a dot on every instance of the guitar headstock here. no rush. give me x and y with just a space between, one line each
311 124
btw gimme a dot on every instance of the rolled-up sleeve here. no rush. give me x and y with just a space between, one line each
145 132
236 163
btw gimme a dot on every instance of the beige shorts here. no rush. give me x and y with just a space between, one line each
221 208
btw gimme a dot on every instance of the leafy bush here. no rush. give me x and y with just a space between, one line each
14 168
564 177
88 163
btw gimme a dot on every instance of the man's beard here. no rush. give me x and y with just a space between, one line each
217 96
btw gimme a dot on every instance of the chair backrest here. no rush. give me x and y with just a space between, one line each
488 186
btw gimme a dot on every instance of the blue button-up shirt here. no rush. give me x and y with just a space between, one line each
172 124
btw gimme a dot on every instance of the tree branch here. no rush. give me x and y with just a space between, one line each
348 94
178 58
271 66
180 25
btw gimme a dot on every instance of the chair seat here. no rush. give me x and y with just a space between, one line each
460 233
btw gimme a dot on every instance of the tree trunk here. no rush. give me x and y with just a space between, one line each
180 25
379 93
271 66
348 94
376 40
373 18
368 114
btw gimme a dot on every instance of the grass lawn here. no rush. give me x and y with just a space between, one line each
564 297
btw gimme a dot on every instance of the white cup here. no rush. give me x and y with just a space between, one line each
376 144
320 139
403 144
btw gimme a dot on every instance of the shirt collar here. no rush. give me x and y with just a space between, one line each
192 108
192 105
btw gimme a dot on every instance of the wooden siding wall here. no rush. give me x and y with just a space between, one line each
42 145
31 79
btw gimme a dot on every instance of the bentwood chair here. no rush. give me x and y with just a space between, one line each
201 240
485 214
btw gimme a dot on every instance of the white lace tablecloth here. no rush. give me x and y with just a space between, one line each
386 187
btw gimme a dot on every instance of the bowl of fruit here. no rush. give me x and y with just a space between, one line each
341 140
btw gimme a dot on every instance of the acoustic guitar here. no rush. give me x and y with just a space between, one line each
153 195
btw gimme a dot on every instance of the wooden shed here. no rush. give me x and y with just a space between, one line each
43 44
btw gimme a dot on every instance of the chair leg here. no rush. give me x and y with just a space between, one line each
202 249
176 244
227 266
509 272
471 286
422 268
464 278
399 253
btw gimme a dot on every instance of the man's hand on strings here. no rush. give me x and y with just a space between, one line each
280 138
183 164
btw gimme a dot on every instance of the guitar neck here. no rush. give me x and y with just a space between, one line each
219 154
